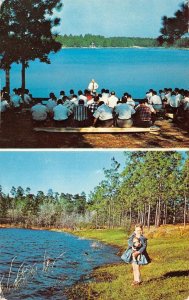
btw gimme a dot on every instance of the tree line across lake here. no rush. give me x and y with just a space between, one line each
152 188
98 41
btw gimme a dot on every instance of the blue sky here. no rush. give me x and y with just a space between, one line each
139 18
63 171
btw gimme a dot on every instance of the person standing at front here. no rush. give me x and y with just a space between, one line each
139 257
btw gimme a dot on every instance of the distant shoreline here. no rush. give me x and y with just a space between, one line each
132 47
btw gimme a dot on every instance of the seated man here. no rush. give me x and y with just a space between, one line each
156 101
112 100
51 103
16 100
81 114
61 114
4 104
39 112
143 116
124 114
27 98
103 116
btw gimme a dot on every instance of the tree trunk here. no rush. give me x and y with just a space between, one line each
149 211
165 214
23 77
185 209
7 79
174 213
156 215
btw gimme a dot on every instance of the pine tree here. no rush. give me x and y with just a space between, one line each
27 27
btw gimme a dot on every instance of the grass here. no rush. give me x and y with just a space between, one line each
166 277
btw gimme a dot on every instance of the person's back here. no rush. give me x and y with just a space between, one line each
124 114
80 111
174 101
60 112
50 105
124 111
16 100
39 112
3 105
112 100
143 115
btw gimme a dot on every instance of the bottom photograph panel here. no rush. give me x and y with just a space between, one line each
94 225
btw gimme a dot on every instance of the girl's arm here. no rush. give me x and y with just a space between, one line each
130 240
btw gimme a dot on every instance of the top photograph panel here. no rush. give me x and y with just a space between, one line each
94 74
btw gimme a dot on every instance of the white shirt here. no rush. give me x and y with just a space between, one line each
155 99
124 111
112 101
148 96
93 86
61 112
174 101
27 99
131 102
3 105
50 105
16 100
103 112
104 98
74 101
39 112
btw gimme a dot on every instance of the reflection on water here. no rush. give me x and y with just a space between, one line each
55 260
131 70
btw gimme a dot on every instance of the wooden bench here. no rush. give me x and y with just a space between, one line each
153 129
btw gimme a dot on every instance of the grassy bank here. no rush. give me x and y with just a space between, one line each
167 277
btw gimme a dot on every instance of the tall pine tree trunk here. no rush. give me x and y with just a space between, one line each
23 77
174 213
148 220
185 209
7 79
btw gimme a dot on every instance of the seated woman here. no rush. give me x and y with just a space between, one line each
103 116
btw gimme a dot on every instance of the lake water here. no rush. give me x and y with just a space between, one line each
132 70
74 258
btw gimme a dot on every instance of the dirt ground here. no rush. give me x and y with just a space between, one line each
17 132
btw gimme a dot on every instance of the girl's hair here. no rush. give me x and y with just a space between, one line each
139 225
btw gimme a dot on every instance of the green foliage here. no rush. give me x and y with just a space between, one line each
26 25
152 188
174 28
89 40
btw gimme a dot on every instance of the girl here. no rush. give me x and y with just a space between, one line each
138 257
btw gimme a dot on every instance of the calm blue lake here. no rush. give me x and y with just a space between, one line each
70 259
131 70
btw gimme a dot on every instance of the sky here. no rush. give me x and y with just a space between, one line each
136 18
63 171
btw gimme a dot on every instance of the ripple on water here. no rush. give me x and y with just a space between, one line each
58 260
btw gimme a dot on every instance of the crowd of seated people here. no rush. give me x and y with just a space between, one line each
15 101
105 109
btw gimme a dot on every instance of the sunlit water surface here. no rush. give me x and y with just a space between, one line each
131 70
74 258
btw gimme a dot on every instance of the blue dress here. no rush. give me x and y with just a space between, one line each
143 258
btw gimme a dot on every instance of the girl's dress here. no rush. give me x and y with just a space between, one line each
143 259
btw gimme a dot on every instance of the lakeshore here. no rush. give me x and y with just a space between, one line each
166 277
